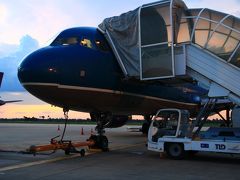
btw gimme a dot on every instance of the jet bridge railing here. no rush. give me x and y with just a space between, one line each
216 32
221 78
213 52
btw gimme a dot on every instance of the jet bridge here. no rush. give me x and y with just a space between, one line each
165 40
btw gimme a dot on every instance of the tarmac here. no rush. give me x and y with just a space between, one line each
128 157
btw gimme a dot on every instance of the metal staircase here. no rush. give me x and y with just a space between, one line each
221 77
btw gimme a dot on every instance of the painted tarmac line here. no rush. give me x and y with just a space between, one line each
126 146
24 165
18 166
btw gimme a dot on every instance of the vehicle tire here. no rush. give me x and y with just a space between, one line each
175 151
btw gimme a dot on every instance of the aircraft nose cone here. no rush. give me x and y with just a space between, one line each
26 69
38 67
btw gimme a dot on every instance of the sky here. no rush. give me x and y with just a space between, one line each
29 25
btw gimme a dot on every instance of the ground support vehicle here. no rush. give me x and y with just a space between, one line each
172 131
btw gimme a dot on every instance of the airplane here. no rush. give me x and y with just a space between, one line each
2 102
5 102
80 71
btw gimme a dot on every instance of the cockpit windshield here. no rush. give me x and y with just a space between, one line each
82 41
65 41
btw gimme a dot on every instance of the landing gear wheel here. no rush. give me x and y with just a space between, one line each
104 143
145 128
101 142
175 151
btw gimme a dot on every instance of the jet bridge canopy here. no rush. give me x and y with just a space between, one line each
142 39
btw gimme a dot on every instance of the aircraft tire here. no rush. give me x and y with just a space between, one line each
104 144
101 142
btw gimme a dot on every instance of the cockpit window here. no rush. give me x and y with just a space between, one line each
86 43
102 45
70 41
65 41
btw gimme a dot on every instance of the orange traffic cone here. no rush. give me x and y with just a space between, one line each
82 133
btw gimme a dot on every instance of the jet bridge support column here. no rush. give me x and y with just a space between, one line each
203 115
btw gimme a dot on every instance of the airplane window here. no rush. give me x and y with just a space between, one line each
86 42
70 41
101 45
65 41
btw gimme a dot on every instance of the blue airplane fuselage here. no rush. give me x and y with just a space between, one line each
80 75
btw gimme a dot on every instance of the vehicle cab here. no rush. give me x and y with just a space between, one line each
168 123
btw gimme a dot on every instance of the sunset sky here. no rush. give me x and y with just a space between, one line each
29 25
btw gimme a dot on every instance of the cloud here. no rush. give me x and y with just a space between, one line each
28 44
41 19
3 14
6 49
9 62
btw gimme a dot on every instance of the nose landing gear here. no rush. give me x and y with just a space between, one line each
101 141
